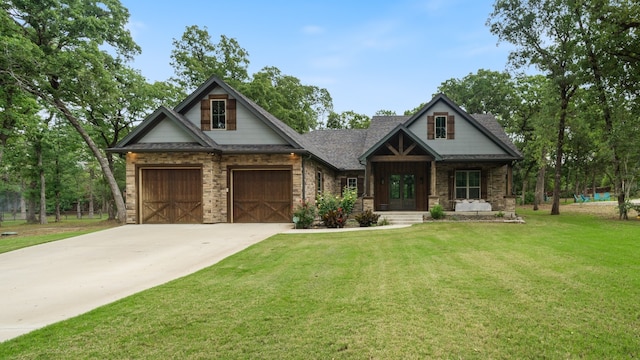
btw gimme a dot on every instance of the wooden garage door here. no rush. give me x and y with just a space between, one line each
262 196
171 196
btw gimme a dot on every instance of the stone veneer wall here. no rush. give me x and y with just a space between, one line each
496 187
214 177
311 169
204 160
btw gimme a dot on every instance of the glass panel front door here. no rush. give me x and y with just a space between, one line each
402 192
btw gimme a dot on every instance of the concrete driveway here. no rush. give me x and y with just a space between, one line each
47 283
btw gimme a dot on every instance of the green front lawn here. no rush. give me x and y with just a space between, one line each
34 234
557 287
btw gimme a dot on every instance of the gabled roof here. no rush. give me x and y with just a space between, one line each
344 149
400 128
201 142
341 147
282 129
379 127
485 123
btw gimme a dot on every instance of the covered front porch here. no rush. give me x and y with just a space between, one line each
402 186
403 173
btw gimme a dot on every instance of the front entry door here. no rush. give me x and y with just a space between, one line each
402 192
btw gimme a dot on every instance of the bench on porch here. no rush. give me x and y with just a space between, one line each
472 205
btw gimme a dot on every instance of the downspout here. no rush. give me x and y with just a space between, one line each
365 191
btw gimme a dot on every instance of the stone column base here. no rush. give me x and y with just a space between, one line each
433 201
367 203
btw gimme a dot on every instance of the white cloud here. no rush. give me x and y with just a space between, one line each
313 30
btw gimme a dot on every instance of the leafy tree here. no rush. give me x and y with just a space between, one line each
299 106
531 124
542 32
114 110
348 120
414 110
195 59
385 113
62 51
611 73
482 93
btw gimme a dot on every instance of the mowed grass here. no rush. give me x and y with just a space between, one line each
34 234
557 287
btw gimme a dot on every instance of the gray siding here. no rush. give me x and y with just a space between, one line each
468 139
166 131
250 130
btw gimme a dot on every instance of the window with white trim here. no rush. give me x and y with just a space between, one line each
441 127
218 114
352 183
468 184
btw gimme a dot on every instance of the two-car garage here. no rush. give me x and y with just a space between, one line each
175 195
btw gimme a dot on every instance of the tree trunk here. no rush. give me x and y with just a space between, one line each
121 211
621 189
566 93
43 188
91 175
31 204
57 189
23 203
539 187
57 195
555 208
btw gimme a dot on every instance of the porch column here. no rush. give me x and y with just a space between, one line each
433 178
369 179
434 198
509 180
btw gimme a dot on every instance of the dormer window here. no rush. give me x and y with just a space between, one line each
441 127
218 114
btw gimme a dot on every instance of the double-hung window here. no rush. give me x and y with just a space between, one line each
352 183
218 114
468 184
441 127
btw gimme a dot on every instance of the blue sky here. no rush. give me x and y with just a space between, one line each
370 55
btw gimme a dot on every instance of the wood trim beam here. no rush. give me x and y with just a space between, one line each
408 150
406 158
392 149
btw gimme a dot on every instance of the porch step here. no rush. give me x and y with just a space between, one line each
402 217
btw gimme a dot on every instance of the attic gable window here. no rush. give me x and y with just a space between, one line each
217 112
441 125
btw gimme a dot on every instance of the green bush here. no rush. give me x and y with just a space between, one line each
304 215
367 218
437 212
335 210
